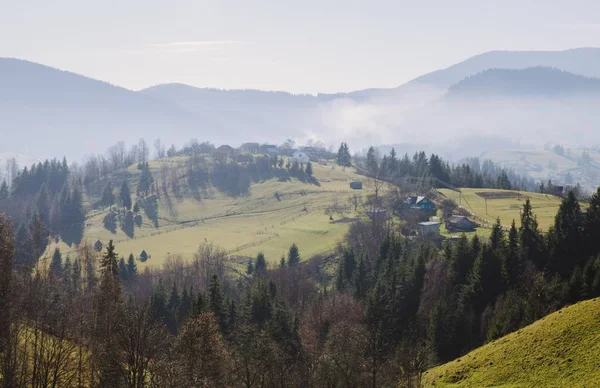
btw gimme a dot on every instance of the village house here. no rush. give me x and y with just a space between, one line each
429 228
460 224
421 203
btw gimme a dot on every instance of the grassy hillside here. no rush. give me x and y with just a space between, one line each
561 350
273 215
506 204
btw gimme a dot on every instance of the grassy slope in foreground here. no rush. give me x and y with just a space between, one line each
544 206
560 350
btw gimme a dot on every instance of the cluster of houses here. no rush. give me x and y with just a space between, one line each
454 223
299 155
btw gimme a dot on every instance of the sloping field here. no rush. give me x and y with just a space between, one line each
560 350
506 204
272 216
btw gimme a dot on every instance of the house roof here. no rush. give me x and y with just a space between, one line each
429 223
420 198
457 219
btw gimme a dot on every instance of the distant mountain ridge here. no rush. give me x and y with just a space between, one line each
49 111
530 82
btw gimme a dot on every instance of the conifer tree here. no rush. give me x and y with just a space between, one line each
309 169
125 196
108 197
215 302
123 273
185 306
132 271
293 256
260 266
4 193
198 305
372 163
109 264
512 266
172 307
56 267
567 237
361 278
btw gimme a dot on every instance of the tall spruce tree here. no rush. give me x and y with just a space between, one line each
109 263
132 270
125 196
293 256
372 163
108 196
56 265
4 192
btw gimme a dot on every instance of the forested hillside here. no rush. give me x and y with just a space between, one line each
406 302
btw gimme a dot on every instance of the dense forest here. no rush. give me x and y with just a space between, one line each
378 312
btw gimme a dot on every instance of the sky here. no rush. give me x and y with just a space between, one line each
310 46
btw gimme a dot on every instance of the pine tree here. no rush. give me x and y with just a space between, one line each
260 266
512 266
158 302
109 264
185 306
125 196
146 179
143 256
43 204
293 256
346 269
108 197
497 236
136 208
198 305
361 279
529 236
123 274
56 267
309 169
372 164
172 307
215 302
4 193
282 262
567 233
132 271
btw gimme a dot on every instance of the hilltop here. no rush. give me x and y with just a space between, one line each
540 82
268 217
560 350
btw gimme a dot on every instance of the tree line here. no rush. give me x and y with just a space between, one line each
470 173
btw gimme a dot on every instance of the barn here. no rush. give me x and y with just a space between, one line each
460 223
356 185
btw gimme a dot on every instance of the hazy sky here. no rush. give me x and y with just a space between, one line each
299 46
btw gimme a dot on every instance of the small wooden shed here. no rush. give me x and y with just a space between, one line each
356 185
